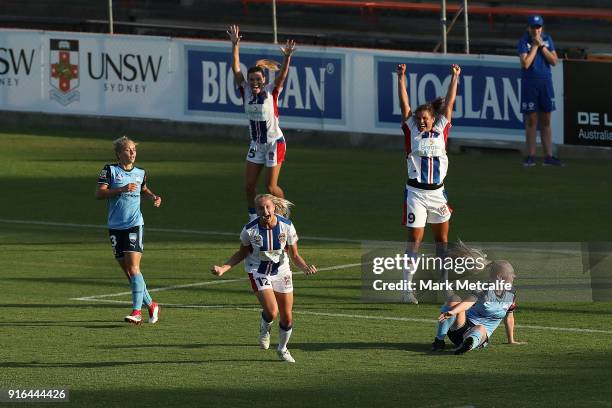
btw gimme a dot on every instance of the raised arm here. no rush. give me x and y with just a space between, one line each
299 261
287 50
234 260
234 35
403 93
452 91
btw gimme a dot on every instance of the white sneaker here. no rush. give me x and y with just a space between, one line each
135 318
408 297
153 313
285 355
264 336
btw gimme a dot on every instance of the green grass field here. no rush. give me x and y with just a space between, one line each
54 250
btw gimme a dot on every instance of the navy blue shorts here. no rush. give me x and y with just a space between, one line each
127 240
456 336
537 95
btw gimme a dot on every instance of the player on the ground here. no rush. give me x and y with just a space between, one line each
264 245
470 323
122 184
260 100
425 136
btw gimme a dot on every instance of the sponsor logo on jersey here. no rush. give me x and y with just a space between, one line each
282 238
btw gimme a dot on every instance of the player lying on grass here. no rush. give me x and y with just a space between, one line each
264 244
470 323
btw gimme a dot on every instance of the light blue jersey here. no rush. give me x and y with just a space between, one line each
490 309
124 209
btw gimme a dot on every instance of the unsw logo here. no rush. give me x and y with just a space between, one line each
64 75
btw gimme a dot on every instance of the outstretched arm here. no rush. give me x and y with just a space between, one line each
403 94
234 35
234 260
452 91
287 50
299 261
509 324
461 307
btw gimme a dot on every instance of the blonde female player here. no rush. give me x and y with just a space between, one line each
264 244
261 107
425 137
470 323
122 184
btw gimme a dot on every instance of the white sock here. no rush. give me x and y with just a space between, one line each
283 337
408 275
263 325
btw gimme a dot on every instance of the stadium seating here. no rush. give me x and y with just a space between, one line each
327 22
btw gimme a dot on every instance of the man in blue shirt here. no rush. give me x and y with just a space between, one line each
537 53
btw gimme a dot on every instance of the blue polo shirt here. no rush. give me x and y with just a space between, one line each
540 68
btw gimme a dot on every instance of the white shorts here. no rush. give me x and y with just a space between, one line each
282 282
271 154
425 206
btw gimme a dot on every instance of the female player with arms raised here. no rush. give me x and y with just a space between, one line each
268 145
425 136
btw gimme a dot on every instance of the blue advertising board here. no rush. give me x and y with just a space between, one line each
313 90
488 94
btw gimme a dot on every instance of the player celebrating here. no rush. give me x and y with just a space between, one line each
470 323
264 244
261 107
122 185
425 137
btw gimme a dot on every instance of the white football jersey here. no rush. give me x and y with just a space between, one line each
268 255
426 151
262 112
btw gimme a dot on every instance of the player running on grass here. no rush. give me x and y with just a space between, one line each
425 136
268 145
122 184
470 323
264 245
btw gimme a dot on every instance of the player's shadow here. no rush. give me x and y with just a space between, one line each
401 346
89 324
102 364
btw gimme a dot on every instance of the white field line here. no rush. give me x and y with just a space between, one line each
353 316
205 283
527 248
99 298
172 230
